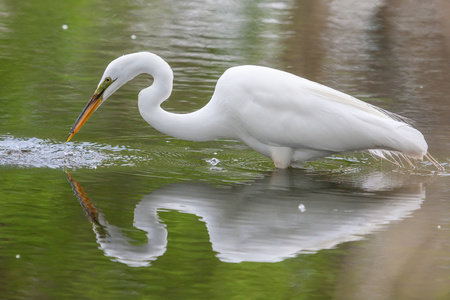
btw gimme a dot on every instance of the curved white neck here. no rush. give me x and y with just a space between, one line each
201 125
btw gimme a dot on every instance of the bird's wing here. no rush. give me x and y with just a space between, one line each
281 109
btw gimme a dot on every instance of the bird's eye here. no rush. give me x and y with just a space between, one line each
107 82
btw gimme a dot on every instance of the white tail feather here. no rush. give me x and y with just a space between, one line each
398 158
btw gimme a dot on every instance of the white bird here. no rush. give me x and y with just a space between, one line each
280 115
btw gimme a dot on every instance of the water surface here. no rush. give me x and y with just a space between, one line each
123 211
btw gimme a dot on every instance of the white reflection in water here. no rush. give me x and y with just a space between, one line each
39 153
262 222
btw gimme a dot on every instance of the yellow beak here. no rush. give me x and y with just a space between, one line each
88 110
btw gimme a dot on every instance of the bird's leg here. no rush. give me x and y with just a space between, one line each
282 157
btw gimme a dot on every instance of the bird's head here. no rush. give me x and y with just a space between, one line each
110 82
116 74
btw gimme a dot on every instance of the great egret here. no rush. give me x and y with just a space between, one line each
282 116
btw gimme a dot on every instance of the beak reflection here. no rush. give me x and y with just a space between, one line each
85 202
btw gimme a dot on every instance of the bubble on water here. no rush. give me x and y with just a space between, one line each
65 26
39 153
213 161
133 36
301 207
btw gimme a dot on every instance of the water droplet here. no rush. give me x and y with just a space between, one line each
301 207
65 27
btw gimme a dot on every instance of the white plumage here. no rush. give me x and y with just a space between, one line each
280 115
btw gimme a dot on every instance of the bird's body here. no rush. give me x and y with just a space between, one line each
280 115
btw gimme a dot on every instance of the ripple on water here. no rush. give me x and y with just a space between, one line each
39 153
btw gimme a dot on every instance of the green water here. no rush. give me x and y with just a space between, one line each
123 211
